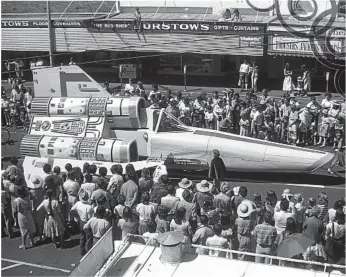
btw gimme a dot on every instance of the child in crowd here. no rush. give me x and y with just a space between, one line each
277 129
145 212
209 118
244 123
300 208
119 209
22 118
311 203
162 225
151 235
257 199
292 124
338 140
299 85
324 129
13 115
5 106
303 126
313 134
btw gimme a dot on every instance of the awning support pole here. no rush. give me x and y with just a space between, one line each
50 37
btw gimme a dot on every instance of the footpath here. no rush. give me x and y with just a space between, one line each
194 91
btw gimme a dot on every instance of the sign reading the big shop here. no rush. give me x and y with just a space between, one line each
152 26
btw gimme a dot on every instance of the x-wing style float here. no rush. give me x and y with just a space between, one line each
75 120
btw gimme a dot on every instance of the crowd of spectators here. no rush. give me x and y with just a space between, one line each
260 116
83 201
16 109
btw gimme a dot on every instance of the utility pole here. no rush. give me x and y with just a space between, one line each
50 36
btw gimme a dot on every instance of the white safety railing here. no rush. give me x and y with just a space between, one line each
235 253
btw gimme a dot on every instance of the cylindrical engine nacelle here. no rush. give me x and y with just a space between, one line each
124 113
121 112
107 150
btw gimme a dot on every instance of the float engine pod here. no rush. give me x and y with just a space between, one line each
98 149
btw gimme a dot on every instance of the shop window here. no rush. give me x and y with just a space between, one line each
170 63
198 63
228 63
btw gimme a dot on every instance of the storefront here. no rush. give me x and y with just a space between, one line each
212 51
285 48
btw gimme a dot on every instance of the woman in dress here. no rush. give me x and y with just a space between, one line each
179 224
53 226
335 237
287 85
23 209
306 79
219 112
254 76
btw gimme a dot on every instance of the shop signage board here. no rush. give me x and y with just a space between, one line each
289 44
146 26
128 71
251 41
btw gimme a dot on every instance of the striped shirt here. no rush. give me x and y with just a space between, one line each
323 211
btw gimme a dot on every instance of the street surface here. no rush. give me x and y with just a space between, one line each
45 260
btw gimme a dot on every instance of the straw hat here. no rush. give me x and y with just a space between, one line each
286 193
35 182
244 209
204 186
185 183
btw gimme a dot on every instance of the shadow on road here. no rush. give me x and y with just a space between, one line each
322 178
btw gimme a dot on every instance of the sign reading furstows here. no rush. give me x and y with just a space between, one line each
146 26
251 41
128 71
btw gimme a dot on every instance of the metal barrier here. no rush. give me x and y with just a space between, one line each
96 257
281 260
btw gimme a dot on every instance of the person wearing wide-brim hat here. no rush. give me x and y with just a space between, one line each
245 225
183 185
203 192
204 186
35 185
84 211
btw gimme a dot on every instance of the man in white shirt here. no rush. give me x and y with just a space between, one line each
217 241
89 186
129 88
84 212
244 74
96 227
257 121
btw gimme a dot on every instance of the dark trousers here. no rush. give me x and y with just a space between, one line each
90 240
83 238
6 221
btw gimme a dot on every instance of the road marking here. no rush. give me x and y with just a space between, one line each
36 265
10 266
301 185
